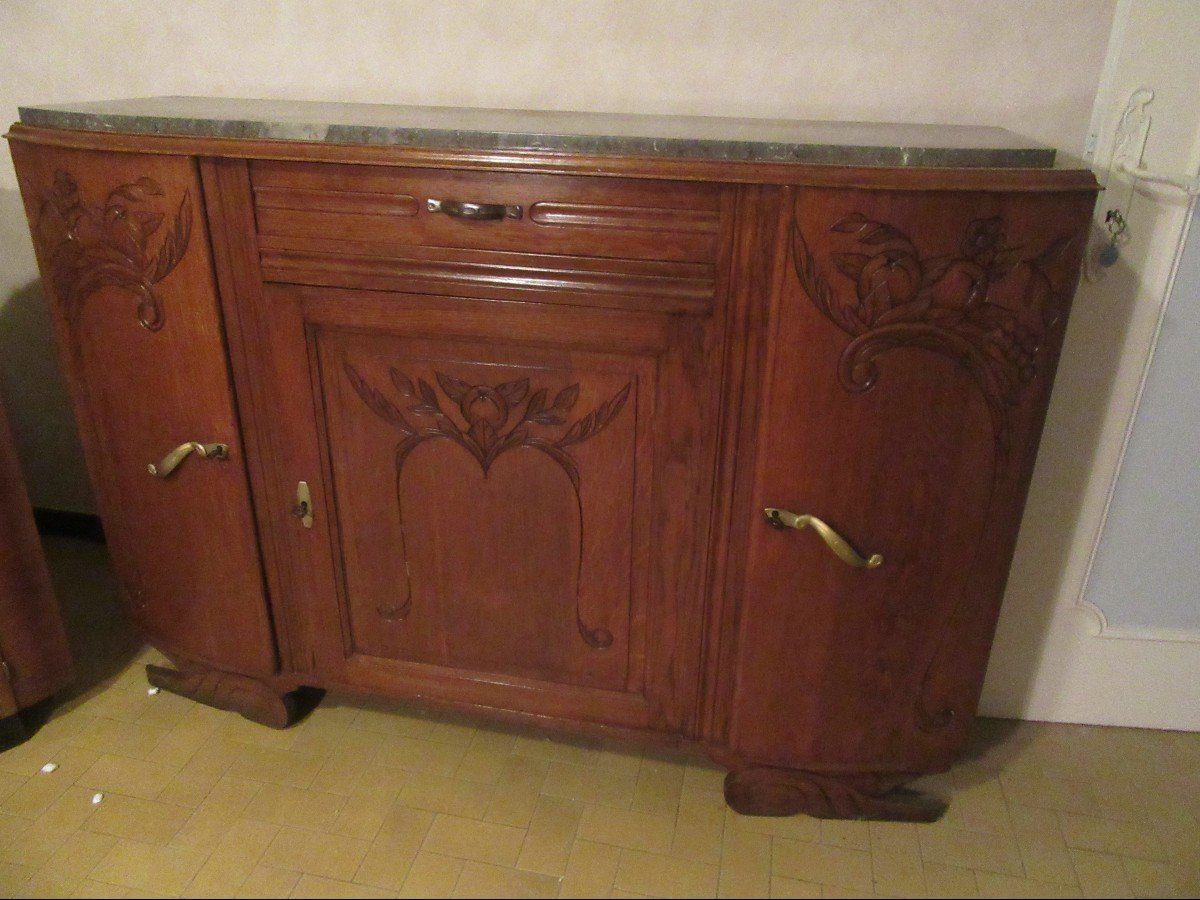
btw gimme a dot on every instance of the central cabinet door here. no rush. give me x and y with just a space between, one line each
507 429
513 497
488 501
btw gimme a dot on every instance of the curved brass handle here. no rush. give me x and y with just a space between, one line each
171 461
476 212
781 518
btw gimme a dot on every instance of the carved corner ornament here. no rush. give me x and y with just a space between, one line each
987 306
109 244
492 429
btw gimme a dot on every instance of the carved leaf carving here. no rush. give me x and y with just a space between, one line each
91 247
486 411
942 304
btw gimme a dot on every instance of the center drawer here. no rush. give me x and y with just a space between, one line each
580 240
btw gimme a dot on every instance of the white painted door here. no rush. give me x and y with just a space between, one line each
1101 621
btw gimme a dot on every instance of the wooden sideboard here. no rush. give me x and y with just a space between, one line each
731 451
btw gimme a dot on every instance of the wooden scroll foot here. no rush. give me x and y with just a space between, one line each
237 693
785 792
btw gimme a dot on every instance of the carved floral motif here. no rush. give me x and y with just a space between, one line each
492 429
108 245
987 306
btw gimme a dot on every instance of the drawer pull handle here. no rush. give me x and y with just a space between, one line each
475 212
171 461
781 518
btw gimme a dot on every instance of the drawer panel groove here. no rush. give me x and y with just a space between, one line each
637 218
361 202
500 280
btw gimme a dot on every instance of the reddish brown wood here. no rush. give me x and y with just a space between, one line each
908 368
438 536
539 448
127 267
658 220
249 697
235 254
35 660
786 792
647 285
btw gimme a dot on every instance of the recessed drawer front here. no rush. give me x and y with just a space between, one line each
579 240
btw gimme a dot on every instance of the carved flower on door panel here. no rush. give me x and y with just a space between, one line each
497 418
987 306
108 245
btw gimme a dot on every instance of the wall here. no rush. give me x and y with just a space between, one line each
1063 660
1027 65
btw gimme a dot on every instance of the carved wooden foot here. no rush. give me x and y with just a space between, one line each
785 792
247 696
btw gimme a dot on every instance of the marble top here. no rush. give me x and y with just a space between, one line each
600 134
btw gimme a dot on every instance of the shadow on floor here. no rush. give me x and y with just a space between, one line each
101 637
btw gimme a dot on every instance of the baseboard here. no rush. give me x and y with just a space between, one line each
64 523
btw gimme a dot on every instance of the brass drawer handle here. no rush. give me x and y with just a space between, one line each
475 212
781 518
171 461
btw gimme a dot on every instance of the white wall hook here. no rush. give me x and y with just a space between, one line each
1129 145
1190 186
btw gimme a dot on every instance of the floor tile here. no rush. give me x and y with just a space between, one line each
627 828
432 875
1110 836
264 881
148 867
972 850
591 869
834 866
316 886
665 876
549 836
482 880
285 805
139 820
233 860
472 839
316 852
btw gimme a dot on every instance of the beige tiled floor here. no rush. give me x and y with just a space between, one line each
366 801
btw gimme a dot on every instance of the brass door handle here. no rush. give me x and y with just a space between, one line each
171 461
781 518
476 212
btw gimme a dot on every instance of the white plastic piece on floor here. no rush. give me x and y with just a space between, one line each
49 767
152 691
96 798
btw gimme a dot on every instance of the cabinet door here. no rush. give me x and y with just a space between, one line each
125 261
511 496
912 349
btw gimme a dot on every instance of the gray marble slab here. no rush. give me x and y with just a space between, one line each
602 134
